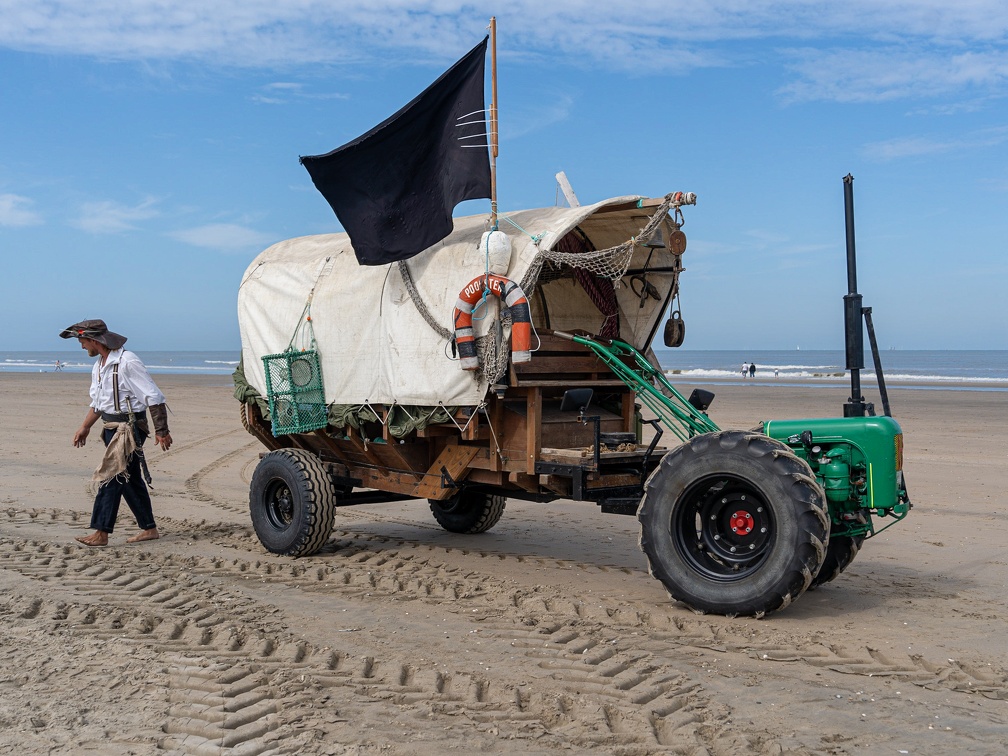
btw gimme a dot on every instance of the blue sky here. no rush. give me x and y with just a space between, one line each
149 150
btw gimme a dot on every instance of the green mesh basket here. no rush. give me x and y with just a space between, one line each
295 392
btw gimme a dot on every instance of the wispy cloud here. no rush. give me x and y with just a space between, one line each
265 32
918 146
16 211
224 237
856 51
891 73
529 118
283 92
786 251
110 217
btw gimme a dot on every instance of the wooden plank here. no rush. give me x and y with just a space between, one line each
383 480
611 481
558 363
549 343
455 458
512 432
377 454
646 204
584 458
495 413
567 190
254 423
487 477
533 421
524 481
400 456
629 417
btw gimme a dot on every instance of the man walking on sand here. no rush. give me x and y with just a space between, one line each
121 392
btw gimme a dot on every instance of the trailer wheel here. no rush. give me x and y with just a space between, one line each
733 522
468 511
839 554
292 502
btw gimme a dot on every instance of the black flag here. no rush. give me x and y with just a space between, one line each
395 187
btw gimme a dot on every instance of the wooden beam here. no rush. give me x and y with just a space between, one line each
454 458
533 421
568 192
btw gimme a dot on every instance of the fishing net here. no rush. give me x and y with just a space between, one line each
603 265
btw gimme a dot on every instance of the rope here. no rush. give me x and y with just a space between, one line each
306 312
303 320
407 278
610 263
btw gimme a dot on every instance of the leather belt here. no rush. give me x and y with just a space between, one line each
114 417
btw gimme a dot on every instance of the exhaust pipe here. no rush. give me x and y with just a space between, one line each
853 330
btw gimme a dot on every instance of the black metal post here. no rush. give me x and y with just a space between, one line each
853 329
878 362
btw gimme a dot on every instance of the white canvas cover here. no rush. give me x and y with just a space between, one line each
375 347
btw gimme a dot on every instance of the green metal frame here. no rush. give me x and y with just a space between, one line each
671 407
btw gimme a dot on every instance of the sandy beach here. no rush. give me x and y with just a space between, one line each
544 635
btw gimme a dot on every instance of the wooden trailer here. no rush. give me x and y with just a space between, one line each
560 425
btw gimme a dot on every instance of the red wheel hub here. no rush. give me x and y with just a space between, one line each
741 523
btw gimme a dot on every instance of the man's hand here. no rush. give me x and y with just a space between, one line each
163 441
92 417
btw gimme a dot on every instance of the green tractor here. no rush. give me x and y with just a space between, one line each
739 522
743 522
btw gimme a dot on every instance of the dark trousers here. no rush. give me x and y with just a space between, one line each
134 490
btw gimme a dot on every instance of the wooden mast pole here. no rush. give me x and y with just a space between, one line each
493 122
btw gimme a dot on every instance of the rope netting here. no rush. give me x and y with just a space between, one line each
609 264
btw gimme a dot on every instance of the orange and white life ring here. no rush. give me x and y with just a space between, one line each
521 318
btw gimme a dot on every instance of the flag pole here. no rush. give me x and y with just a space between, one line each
493 122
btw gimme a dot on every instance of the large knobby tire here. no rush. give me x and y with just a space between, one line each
734 523
468 511
292 502
839 554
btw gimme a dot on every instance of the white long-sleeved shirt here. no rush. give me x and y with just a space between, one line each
137 389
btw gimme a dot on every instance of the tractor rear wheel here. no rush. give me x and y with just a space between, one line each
468 511
292 502
839 554
734 523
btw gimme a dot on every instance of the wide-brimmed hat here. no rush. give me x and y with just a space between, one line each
94 329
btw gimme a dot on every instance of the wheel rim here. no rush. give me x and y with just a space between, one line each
452 504
279 505
723 528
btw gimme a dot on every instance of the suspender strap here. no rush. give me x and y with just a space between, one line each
115 386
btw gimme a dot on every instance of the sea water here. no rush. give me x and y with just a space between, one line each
968 369
981 370
205 363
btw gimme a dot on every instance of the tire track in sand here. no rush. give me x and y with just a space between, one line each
356 569
194 482
608 668
231 704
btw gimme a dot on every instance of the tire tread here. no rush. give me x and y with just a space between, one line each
318 506
804 493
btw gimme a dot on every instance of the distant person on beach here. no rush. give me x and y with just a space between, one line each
752 369
121 392
776 372
745 370
58 366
